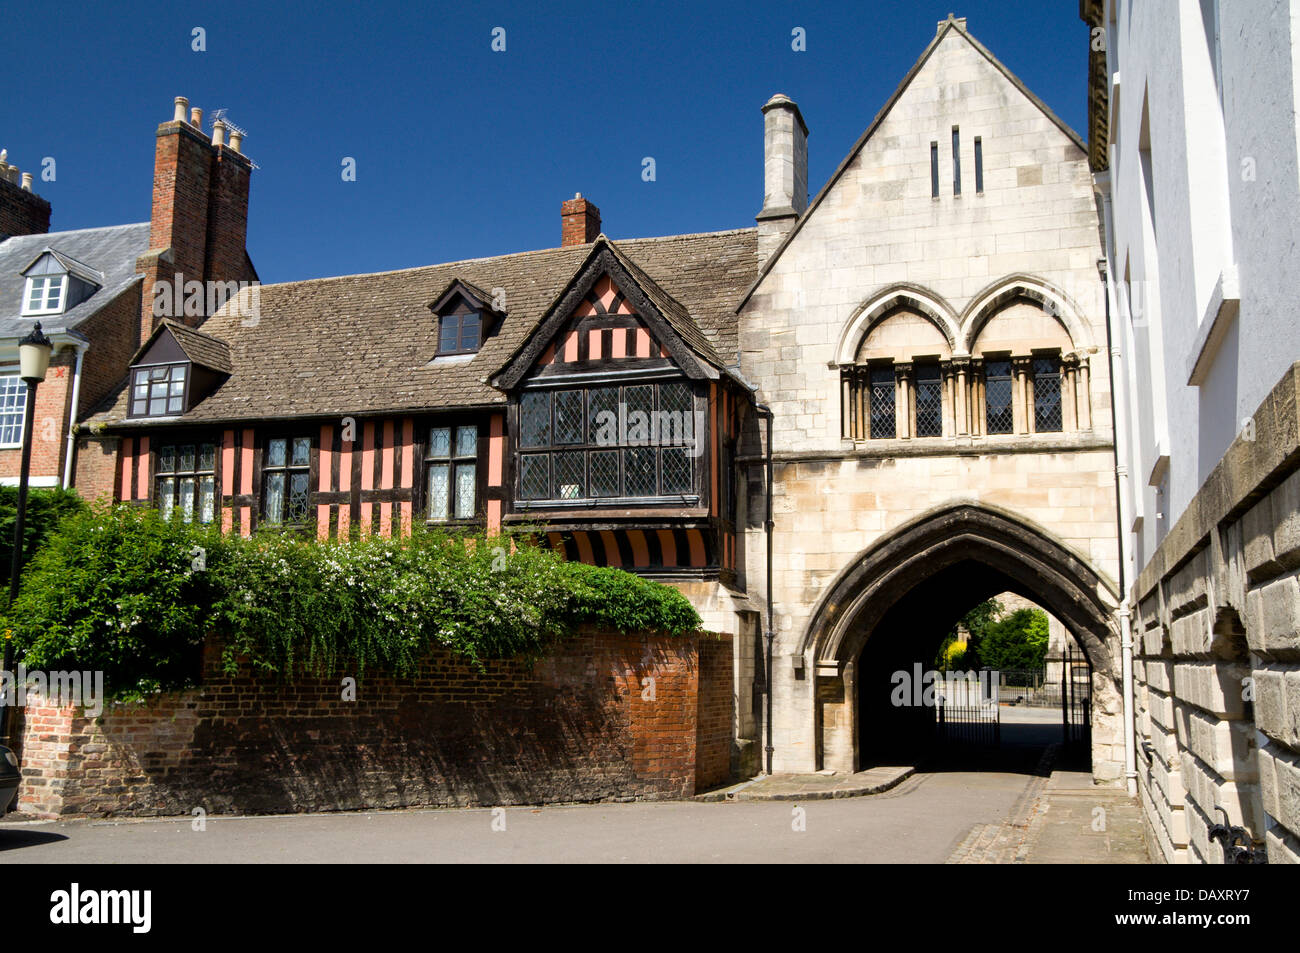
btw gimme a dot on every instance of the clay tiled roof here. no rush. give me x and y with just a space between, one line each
202 348
366 343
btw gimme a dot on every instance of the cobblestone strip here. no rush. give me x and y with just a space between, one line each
1009 842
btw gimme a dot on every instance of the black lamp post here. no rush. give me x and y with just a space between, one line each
33 360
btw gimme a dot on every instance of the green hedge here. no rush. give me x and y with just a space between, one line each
124 591
45 508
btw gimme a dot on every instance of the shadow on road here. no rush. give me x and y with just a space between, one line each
1020 752
16 838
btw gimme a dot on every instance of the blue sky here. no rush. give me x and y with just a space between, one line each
463 152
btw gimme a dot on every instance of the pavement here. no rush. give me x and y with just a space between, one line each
1008 806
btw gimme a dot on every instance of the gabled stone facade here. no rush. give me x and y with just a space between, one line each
909 300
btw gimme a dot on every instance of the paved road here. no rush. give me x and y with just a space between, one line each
921 821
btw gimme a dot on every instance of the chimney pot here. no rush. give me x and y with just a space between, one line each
182 109
218 133
27 181
236 140
196 117
579 221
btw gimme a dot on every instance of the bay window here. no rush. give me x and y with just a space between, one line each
632 441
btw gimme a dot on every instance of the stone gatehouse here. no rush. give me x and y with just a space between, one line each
929 335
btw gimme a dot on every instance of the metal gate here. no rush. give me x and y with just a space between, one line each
966 711
1076 699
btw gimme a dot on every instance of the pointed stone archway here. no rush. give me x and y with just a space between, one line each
971 551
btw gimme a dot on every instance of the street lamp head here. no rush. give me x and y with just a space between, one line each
34 355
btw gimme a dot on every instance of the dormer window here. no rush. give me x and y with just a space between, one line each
158 391
45 294
57 282
174 370
467 315
458 331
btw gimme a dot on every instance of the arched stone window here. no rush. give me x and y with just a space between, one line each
1027 376
899 384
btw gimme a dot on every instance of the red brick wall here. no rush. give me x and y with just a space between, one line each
95 468
577 725
715 713
112 333
22 212
50 425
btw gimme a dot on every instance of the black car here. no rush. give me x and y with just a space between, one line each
9 778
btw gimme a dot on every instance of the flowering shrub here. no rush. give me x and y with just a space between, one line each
124 591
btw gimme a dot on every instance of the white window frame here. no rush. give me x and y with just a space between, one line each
7 374
29 310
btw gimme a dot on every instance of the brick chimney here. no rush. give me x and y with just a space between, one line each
199 221
22 211
579 222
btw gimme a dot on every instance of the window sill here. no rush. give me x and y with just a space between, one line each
608 502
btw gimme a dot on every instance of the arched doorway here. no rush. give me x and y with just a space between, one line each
889 609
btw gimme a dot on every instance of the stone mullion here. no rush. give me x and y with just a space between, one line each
1069 368
1083 395
949 399
977 397
962 412
1023 408
903 401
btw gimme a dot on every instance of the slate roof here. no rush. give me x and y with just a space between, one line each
365 344
110 252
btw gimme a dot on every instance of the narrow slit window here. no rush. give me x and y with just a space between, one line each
929 401
999 416
956 161
882 401
979 166
934 170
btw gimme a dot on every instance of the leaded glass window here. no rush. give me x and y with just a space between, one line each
286 470
882 402
158 391
451 473
185 481
929 401
1047 394
999 417
608 442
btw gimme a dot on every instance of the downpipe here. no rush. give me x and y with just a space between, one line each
766 413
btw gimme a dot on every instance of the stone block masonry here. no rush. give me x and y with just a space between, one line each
583 723
1218 627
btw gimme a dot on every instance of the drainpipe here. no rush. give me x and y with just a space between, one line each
1124 613
72 418
766 413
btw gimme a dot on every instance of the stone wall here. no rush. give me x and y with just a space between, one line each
1217 632
583 723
